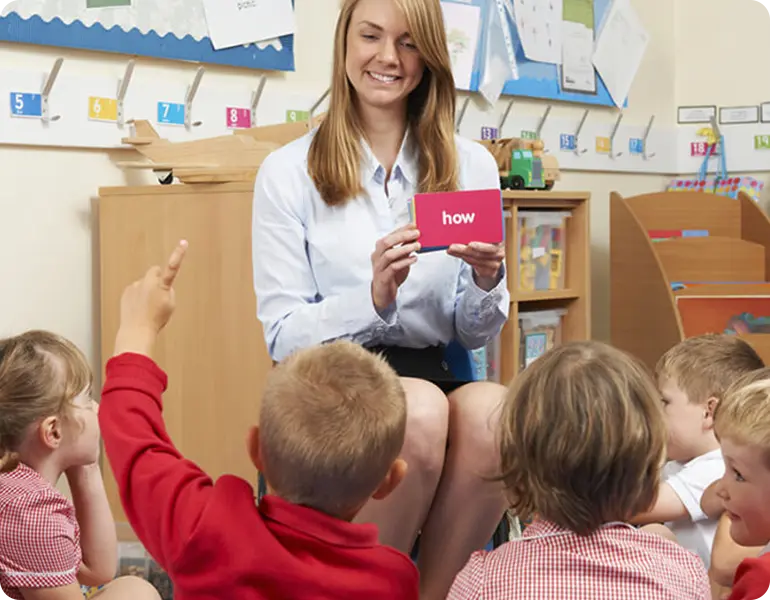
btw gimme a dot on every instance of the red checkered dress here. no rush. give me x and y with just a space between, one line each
39 535
616 563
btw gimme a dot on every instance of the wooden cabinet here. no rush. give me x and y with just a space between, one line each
213 349
574 297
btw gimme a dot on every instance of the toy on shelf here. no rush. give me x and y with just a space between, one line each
523 164
542 243
211 160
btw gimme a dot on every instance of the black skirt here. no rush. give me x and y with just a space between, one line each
421 363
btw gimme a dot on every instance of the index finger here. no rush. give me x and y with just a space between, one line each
174 262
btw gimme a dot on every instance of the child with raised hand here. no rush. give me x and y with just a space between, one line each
49 545
331 428
582 442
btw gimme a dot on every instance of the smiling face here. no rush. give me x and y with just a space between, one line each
382 62
744 490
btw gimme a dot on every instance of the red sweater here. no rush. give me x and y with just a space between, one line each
752 579
211 538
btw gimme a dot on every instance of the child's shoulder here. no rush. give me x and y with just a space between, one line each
25 489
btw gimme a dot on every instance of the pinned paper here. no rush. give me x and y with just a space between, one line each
539 25
620 47
238 22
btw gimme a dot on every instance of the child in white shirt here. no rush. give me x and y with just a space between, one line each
692 377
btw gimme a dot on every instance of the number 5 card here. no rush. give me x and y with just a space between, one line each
446 218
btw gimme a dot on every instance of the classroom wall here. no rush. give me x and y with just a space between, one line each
712 68
46 229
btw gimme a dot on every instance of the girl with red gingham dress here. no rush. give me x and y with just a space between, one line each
49 545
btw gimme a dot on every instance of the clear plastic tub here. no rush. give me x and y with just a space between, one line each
542 247
539 331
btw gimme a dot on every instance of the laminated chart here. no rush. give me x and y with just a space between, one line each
169 29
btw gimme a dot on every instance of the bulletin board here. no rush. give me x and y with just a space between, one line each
535 79
169 29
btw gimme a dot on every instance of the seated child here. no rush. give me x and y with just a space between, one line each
582 443
742 425
331 428
50 546
692 377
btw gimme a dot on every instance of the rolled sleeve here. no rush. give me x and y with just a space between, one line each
39 543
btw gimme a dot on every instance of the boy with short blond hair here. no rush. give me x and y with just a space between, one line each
331 429
742 424
692 377
582 442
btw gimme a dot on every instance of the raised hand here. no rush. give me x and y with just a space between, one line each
147 304
392 257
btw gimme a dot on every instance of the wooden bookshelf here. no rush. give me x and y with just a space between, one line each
574 298
644 317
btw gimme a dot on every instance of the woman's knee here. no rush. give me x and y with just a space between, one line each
474 415
427 423
128 587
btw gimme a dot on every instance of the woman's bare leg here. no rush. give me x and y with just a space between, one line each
127 588
467 508
400 516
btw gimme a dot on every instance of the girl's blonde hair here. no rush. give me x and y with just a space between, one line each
335 152
582 437
41 373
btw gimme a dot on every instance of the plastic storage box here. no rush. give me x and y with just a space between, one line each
539 331
542 248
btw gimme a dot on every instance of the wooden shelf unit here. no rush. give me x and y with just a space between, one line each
575 298
644 319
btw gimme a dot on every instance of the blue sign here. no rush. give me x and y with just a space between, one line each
26 105
567 141
636 146
489 133
170 113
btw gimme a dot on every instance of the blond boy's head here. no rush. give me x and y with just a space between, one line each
331 428
742 425
582 437
693 377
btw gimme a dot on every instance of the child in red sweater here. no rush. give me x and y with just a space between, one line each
330 431
742 424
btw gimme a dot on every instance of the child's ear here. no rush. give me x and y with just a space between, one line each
253 447
395 475
50 432
708 413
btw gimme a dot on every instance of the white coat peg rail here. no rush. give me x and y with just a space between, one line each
56 106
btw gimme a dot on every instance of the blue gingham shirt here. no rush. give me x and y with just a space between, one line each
312 262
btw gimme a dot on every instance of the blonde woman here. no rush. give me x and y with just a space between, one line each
334 257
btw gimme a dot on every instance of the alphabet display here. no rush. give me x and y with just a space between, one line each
446 218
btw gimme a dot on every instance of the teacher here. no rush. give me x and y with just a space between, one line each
334 257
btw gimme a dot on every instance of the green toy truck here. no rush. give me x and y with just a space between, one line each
523 165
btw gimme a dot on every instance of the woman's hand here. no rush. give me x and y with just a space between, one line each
392 257
486 260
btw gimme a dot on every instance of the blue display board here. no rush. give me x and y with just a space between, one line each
537 79
81 28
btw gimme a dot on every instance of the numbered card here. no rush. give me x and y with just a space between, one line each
102 109
170 113
238 118
489 133
603 145
702 149
528 135
636 146
762 142
297 116
567 142
26 105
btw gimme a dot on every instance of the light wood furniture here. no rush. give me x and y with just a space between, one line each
213 348
644 319
576 295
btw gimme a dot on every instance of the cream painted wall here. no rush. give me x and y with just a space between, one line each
46 231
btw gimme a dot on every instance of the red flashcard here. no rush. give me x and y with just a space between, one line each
446 218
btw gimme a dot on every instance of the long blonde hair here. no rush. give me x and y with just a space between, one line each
335 152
